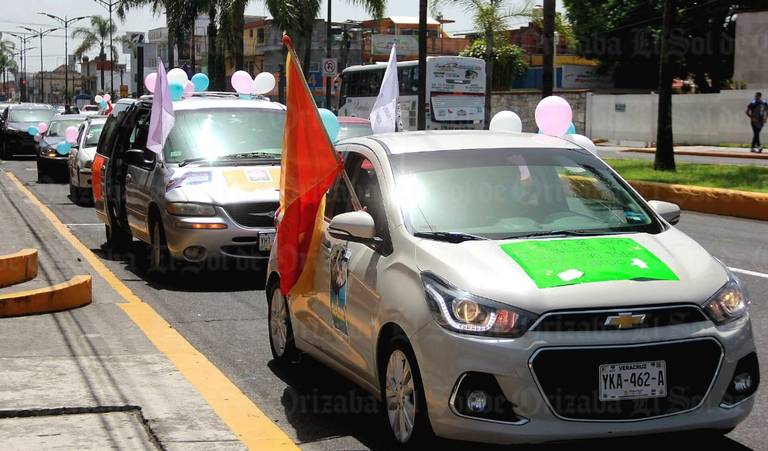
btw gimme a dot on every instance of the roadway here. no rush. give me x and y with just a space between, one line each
223 314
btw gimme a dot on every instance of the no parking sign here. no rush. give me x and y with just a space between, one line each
330 67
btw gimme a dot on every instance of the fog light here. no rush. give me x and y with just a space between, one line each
477 401
742 382
194 253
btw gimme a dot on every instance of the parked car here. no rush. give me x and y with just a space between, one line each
213 191
80 159
353 127
90 110
50 162
15 121
513 288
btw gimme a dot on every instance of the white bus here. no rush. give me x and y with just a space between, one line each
455 92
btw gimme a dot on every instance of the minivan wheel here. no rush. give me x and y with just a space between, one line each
117 238
281 341
403 394
159 257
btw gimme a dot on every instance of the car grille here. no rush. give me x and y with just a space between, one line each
568 378
253 214
595 320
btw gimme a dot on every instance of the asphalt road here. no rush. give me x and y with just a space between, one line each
223 314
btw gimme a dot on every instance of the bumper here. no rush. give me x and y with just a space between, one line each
20 144
235 241
509 361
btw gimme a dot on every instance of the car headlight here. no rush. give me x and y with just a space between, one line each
459 311
729 303
190 209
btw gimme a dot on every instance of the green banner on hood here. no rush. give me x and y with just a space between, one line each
555 263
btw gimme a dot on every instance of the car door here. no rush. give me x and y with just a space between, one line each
350 271
137 178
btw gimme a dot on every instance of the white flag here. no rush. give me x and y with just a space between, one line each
384 114
162 118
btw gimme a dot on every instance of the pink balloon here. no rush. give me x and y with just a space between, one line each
553 116
70 134
189 89
106 97
42 127
149 82
242 82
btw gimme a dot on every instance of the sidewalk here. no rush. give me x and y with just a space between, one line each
702 151
88 378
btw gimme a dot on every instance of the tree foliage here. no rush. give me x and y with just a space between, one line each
509 61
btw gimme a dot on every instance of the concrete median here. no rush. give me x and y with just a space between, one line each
19 267
742 204
73 293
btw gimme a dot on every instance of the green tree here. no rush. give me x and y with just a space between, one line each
7 63
490 17
509 61
96 36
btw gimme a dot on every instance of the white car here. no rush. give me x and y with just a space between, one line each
512 288
80 159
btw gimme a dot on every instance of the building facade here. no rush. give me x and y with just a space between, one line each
381 34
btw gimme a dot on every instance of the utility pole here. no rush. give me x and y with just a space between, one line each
665 153
548 40
41 33
65 22
328 51
422 104
109 5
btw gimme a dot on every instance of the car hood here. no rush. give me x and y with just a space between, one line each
21 126
223 185
484 269
51 141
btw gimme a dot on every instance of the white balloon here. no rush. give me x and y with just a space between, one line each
264 83
98 98
506 121
583 141
177 75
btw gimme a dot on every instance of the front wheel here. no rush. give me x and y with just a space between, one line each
403 394
159 256
117 238
5 154
281 341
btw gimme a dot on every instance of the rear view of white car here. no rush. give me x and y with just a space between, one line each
80 159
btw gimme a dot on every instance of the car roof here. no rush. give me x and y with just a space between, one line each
223 100
353 120
30 106
441 140
69 117
96 119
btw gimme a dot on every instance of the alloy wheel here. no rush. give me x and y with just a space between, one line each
278 324
400 396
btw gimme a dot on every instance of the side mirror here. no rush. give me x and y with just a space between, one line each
139 157
357 226
667 210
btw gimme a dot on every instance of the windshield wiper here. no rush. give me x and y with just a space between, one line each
246 155
555 233
451 237
191 160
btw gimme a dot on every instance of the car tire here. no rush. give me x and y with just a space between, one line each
159 256
74 194
5 154
42 172
402 394
281 340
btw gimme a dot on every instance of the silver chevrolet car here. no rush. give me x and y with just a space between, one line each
512 288
211 193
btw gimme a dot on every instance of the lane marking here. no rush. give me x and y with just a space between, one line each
749 273
246 421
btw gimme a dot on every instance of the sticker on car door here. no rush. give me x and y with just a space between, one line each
339 271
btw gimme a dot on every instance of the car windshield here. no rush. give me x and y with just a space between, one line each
30 115
56 128
508 193
94 132
221 133
353 131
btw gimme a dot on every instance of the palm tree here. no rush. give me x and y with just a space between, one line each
491 18
7 63
96 36
297 18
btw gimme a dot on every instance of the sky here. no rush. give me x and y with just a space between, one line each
143 20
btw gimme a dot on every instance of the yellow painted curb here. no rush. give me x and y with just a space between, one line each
18 267
701 153
742 204
76 292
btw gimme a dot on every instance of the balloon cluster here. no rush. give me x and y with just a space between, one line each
553 117
179 86
102 101
63 147
246 86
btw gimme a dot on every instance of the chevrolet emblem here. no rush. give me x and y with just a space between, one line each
625 321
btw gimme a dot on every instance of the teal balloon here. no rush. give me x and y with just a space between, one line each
201 81
331 123
103 105
245 96
32 130
63 148
176 90
571 130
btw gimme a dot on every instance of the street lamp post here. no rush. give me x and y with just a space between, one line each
22 59
41 33
109 5
65 21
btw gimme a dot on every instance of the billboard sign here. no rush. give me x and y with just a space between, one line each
381 44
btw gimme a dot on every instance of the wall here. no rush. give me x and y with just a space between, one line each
698 119
524 103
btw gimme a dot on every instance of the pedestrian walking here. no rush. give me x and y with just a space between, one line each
757 111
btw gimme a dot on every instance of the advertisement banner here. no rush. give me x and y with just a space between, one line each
381 44
455 75
584 77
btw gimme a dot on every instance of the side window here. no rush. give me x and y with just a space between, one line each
140 133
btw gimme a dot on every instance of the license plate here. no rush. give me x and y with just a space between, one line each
265 241
633 380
